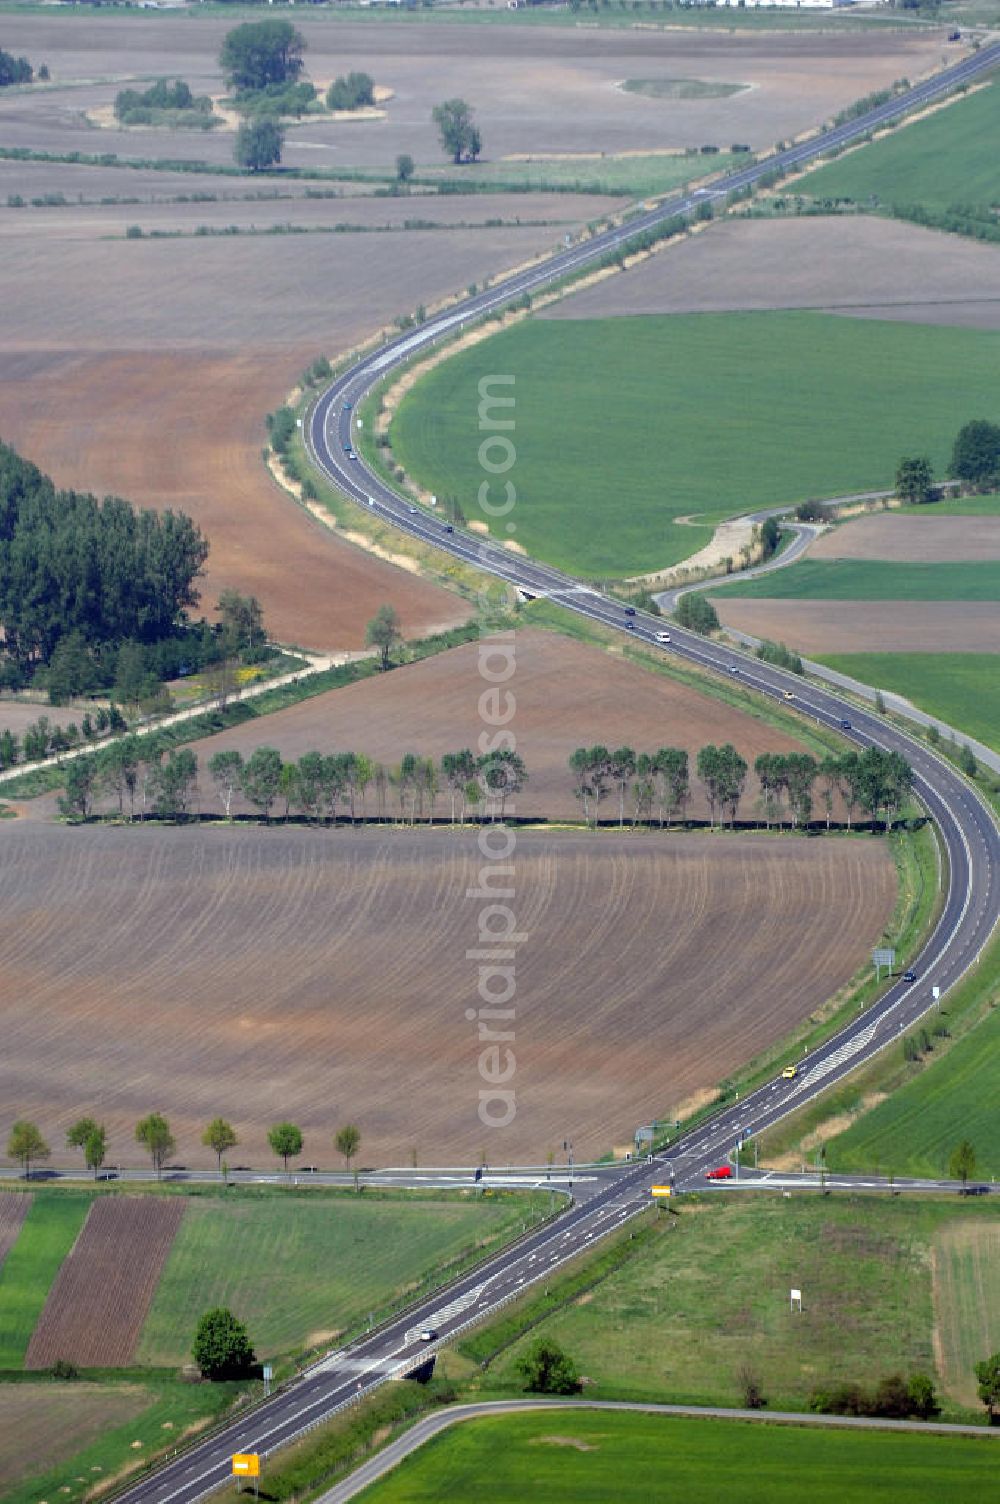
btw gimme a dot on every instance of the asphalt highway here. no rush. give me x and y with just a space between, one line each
604 1201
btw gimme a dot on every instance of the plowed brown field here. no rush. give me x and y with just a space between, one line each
323 976
861 267
567 694
868 627
98 1303
916 539
13 1210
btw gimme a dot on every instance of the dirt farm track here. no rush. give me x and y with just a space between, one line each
322 976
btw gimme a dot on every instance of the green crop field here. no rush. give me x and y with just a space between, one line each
914 1131
47 1235
874 580
945 158
960 506
622 426
599 1455
960 688
710 1294
298 1271
967 1301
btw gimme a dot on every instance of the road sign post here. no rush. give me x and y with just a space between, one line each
883 956
247 1465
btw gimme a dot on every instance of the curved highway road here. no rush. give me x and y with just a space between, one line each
603 1203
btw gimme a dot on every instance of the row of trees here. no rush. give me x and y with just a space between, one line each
975 461
875 781
27 1145
102 572
135 773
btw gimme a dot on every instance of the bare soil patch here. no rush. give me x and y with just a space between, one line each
918 539
37 1432
98 1303
861 267
566 693
868 627
540 90
323 977
13 1210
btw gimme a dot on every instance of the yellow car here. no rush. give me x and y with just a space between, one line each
790 1072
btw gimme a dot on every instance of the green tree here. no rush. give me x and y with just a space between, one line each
77 799
220 1137
348 1142
14 70
221 1347
967 761
503 775
261 778
456 126
309 784
404 167
696 614
261 53
95 1149
355 92
621 770
72 670
153 1133
962 1165
286 1141
259 144
176 784
975 457
915 480
921 1397
26 1144
118 770
546 1369
241 619
670 766
801 772
457 768
988 1386
80 1131
226 772
383 632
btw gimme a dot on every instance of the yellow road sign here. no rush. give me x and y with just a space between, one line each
661 1190
246 1465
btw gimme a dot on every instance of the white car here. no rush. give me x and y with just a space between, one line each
663 636
428 1335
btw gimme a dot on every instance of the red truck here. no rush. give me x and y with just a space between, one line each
724 1172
